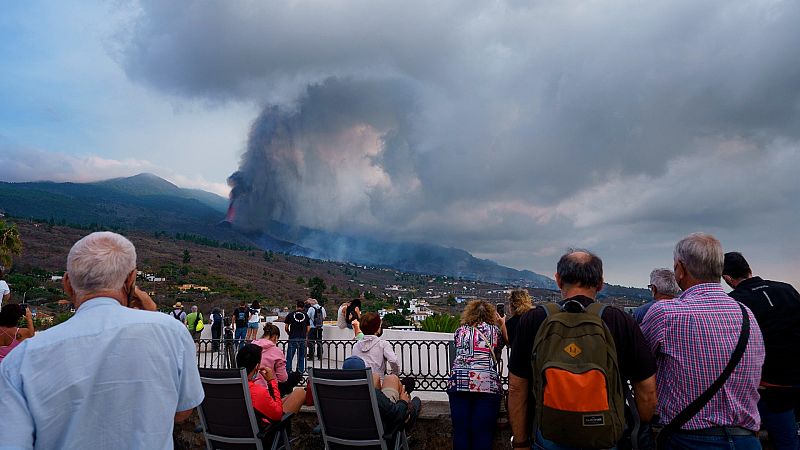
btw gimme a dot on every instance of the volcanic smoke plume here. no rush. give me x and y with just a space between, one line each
340 153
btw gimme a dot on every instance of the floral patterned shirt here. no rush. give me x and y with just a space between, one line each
474 369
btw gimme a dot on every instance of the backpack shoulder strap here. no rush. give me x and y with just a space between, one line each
596 308
551 309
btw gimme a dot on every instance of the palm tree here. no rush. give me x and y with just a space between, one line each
10 243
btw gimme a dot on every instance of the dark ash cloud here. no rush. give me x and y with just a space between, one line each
509 130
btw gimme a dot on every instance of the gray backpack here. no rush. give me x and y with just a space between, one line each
318 316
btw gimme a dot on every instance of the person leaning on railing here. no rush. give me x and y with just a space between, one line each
474 386
10 332
272 356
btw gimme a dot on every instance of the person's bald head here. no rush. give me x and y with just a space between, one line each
580 268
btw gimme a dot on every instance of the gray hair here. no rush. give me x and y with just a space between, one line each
99 262
701 255
664 281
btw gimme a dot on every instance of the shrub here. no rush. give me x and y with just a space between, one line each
441 323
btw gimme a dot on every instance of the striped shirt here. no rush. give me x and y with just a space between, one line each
693 338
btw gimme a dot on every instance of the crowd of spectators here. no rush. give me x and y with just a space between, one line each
710 368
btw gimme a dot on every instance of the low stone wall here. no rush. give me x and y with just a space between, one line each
433 431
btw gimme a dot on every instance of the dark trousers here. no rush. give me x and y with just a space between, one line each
682 441
315 340
216 333
296 347
474 418
777 409
239 335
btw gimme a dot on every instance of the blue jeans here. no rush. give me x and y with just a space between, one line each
545 444
777 417
239 335
680 441
296 346
474 419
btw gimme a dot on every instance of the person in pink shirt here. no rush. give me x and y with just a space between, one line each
10 334
273 357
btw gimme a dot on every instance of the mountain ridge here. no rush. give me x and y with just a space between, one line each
148 202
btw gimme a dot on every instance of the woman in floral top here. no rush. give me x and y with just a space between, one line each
474 387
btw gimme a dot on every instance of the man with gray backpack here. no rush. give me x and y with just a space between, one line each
316 316
570 362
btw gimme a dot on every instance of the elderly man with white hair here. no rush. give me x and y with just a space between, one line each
116 375
662 287
709 350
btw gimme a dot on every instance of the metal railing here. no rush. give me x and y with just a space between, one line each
428 362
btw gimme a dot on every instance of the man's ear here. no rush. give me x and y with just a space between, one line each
68 286
558 281
729 281
131 278
600 286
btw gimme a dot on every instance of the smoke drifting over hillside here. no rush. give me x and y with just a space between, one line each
511 130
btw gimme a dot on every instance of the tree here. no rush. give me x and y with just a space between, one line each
451 301
317 288
300 280
394 320
10 243
186 256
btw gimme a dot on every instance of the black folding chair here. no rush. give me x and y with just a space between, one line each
348 411
227 416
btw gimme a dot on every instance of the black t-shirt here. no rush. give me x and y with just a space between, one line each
776 306
511 327
297 321
240 315
217 320
636 362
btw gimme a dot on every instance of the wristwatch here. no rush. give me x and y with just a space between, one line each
521 444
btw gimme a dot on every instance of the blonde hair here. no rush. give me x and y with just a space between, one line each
479 311
520 301
99 262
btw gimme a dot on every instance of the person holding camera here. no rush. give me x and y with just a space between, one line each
10 332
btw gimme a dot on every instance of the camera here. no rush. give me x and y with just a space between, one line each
501 309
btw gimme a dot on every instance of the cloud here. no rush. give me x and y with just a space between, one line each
504 128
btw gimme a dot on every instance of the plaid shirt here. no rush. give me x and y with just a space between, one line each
693 338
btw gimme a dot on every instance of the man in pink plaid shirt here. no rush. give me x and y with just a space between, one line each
693 338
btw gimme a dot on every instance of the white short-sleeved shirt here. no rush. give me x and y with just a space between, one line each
4 289
109 377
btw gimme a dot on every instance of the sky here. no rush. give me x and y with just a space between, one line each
511 129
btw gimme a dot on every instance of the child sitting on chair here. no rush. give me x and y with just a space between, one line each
266 399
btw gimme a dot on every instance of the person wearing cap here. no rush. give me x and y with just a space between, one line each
394 404
178 313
